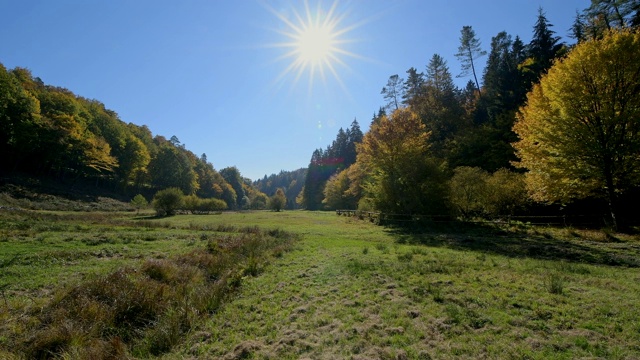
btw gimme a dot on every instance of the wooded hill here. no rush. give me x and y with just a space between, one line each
549 124
48 131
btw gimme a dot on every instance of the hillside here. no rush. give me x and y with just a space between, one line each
26 192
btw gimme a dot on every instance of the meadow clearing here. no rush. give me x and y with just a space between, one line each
299 284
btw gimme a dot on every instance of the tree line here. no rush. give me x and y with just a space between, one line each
290 182
48 131
549 123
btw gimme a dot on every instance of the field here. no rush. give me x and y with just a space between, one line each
313 285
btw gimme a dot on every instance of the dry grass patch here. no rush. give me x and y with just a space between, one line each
141 309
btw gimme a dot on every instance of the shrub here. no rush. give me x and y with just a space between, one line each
167 201
139 202
506 193
278 201
475 192
196 205
467 190
208 205
555 283
191 203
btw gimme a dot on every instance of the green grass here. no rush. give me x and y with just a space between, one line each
102 286
477 292
350 289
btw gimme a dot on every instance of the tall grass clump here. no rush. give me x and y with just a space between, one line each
146 310
554 283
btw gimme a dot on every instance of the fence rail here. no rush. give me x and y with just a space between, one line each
550 220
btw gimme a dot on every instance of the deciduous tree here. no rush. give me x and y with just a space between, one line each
404 178
278 201
579 132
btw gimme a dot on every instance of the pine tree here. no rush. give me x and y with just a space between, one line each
314 182
413 86
543 49
468 52
354 136
392 92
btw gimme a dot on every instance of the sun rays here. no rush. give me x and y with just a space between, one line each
315 42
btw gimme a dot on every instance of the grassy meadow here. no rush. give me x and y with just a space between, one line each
314 285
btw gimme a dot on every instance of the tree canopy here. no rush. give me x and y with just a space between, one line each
579 132
48 131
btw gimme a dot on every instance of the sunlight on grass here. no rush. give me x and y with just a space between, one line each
350 289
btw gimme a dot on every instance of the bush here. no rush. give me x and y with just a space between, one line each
208 205
167 201
475 192
507 193
191 203
195 205
139 202
278 201
467 191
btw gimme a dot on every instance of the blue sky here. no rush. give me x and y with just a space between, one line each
213 73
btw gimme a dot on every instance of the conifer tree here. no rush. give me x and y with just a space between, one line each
392 92
468 53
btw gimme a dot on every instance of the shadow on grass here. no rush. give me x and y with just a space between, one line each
523 242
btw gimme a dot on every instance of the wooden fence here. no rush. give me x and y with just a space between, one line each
389 219
551 220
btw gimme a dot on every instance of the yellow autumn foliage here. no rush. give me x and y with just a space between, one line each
580 128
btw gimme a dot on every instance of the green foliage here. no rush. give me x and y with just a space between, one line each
139 202
167 201
506 193
171 167
50 130
196 205
232 176
604 15
475 192
468 53
393 92
290 181
340 155
468 188
404 178
578 134
343 190
259 202
278 201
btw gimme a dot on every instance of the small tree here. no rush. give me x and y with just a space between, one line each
506 193
259 202
139 202
191 203
467 191
167 201
278 201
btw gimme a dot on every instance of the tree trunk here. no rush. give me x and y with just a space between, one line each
611 196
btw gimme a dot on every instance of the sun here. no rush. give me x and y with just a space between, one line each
315 45
315 42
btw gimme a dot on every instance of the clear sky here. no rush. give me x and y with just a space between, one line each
216 73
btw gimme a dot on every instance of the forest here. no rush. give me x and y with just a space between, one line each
547 128
48 131
552 129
